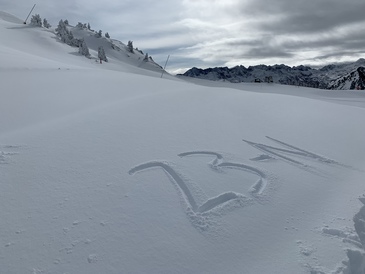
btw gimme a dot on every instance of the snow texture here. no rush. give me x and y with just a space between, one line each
109 168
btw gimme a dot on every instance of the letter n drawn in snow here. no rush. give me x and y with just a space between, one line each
287 152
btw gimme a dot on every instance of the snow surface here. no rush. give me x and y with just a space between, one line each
111 169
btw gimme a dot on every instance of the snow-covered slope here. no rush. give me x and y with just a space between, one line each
10 18
340 76
42 49
352 80
115 50
106 170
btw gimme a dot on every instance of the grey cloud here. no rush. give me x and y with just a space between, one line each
349 43
337 54
288 16
213 33
263 52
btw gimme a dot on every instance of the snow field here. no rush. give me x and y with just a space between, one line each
107 171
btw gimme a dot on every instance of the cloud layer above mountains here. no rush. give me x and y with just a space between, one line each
207 33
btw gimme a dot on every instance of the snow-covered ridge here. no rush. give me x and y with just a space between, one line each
336 76
44 49
9 18
114 49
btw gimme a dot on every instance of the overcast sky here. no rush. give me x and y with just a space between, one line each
209 33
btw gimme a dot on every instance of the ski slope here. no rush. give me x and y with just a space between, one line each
108 168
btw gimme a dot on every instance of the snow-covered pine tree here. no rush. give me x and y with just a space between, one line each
74 42
145 58
83 48
66 35
70 35
99 34
66 22
107 35
130 46
88 26
61 28
36 20
46 24
101 54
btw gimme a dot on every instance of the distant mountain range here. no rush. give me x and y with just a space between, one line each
343 76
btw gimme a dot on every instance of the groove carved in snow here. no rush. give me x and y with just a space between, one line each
5 153
287 152
197 211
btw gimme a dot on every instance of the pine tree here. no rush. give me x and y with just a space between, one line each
61 29
83 48
46 24
130 46
36 20
101 54
88 26
74 42
66 35
145 58
107 35
99 34
70 35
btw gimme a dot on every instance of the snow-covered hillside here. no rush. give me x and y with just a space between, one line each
107 168
115 50
335 77
26 46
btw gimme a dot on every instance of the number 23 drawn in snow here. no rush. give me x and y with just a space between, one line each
283 153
